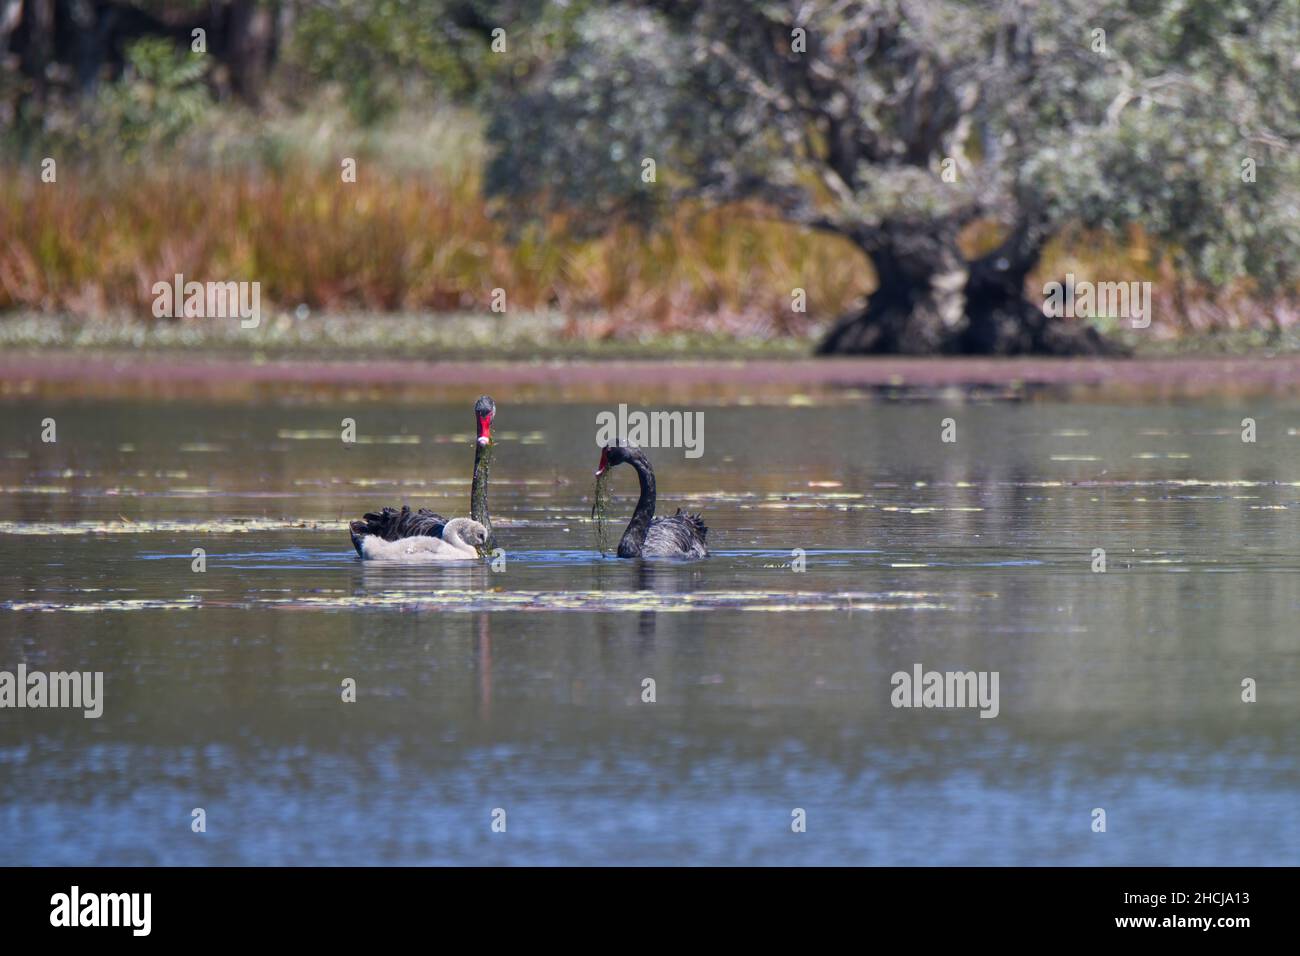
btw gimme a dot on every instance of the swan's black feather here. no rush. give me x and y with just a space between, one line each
676 535
391 524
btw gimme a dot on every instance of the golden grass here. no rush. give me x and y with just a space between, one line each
421 241
400 242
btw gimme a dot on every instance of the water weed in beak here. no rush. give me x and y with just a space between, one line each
600 508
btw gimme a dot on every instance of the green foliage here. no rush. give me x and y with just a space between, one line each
1158 132
160 96
372 50
382 53
580 135
1046 121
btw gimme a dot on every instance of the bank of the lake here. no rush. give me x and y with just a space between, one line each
122 374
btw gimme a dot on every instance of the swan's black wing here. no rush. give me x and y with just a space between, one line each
392 524
679 535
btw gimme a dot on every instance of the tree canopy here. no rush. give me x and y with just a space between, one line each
903 126
896 124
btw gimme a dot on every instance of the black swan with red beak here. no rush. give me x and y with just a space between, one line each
679 535
392 524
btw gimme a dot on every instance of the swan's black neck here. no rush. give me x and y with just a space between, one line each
634 536
478 503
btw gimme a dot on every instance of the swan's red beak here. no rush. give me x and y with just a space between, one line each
604 463
484 429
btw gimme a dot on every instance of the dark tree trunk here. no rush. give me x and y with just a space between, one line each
932 301
11 13
86 40
249 48
917 308
38 49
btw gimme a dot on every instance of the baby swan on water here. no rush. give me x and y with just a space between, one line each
459 542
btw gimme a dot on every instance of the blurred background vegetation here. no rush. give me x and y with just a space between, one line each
207 137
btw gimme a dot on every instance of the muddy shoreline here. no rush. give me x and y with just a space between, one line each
125 375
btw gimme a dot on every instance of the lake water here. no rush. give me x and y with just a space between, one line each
521 690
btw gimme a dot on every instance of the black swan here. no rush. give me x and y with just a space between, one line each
672 536
460 541
391 524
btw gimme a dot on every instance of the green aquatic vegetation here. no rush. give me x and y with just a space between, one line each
126 526
476 600
461 599
600 512
136 604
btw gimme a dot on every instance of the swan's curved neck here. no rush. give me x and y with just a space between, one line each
478 503
634 536
452 537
